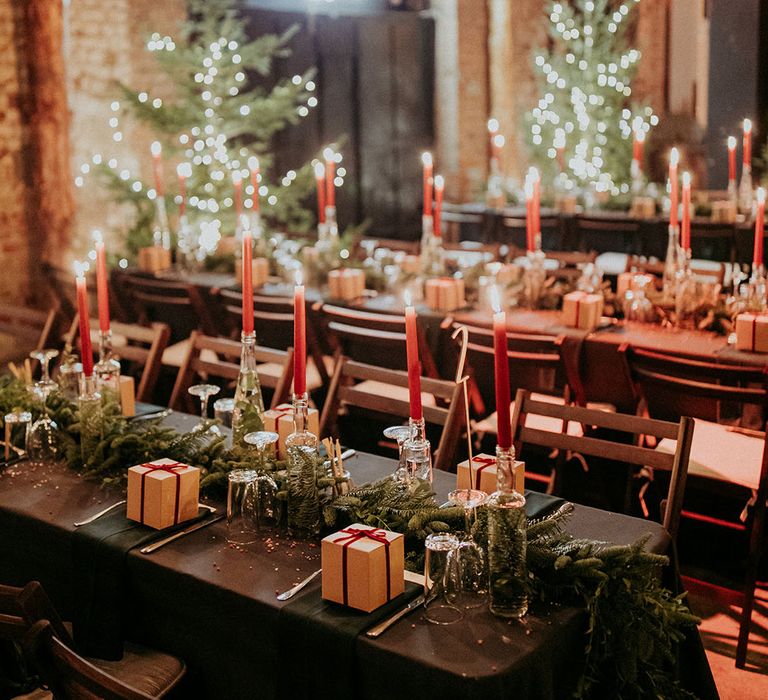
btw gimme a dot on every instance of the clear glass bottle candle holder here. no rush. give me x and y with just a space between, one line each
89 404
304 515
508 573
248 412
107 369
418 452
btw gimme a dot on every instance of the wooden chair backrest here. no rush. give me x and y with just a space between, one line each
32 604
12 627
68 674
676 464
141 347
535 363
374 338
178 304
31 327
227 366
512 227
656 268
449 415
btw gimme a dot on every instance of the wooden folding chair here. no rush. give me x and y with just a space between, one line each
273 324
219 358
607 232
673 386
345 391
511 228
139 348
635 454
30 329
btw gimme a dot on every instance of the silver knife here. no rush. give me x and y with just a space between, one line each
384 626
176 535
285 595
99 514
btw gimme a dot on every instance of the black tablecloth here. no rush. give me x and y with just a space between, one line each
214 605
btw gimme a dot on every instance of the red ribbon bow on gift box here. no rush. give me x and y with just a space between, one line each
354 534
484 463
170 468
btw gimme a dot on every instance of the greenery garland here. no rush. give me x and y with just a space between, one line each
634 622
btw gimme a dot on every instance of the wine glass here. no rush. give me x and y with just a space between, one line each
399 433
44 357
471 561
204 393
261 439
42 438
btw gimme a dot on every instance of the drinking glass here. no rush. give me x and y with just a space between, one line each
399 433
441 581
268 507
44 357
261 440
11 419
471 561
42 438
204 392
69 380
242 527
222 411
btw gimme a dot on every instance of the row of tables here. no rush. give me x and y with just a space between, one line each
214 605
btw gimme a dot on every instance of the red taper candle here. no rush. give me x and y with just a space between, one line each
637 148
102 286
439 189
299 341
320 181
674 160
247 281
731 159
685 228
530 237
237 183
330 176
86 352
501 373
747 146
426 161
758 257
183 170
412 357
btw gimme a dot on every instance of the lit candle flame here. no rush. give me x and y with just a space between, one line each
493 125
528 189
184 170
80 269
732 143
674 156
298 277
747 126
439 182
237 177
761 195
426 159
407 297
319 171
640 136
156 149
686 179
495 300
328 153
499 141
533 174
96 235
253 163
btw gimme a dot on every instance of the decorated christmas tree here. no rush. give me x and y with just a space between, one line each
583 125
217 128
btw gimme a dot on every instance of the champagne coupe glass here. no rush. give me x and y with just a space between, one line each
399 433
268 508
44 357
43 439
204 393
471 562
261 440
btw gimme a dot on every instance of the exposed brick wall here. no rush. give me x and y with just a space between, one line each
14 248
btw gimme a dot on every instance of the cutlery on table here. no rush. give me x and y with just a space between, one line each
286 595
99 514
176 535
386 624
156 415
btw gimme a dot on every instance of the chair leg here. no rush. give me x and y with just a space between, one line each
753 559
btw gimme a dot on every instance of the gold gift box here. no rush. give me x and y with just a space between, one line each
170 495
752 332
346 284
154 258
369 553
582 310
484 472
280 420
259 271
444 293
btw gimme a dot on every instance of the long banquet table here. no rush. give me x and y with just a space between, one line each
214 606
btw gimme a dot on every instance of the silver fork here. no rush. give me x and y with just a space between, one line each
286 595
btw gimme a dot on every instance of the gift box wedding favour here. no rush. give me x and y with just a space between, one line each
154 258
127 396
724 211
280 420
363 567
346 283
483 474
643 208
259 271
752 332
163 493
582 310
444 293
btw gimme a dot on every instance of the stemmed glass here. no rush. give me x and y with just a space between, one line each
267 507
399 433
44 357
204 393
16 417
261 439
43 439
472 573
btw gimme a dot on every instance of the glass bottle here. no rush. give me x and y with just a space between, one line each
91 429
746 195
431 248
671 263
534 275
248 413
303 495
107 369
418 452
162 231
331 227
507 541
